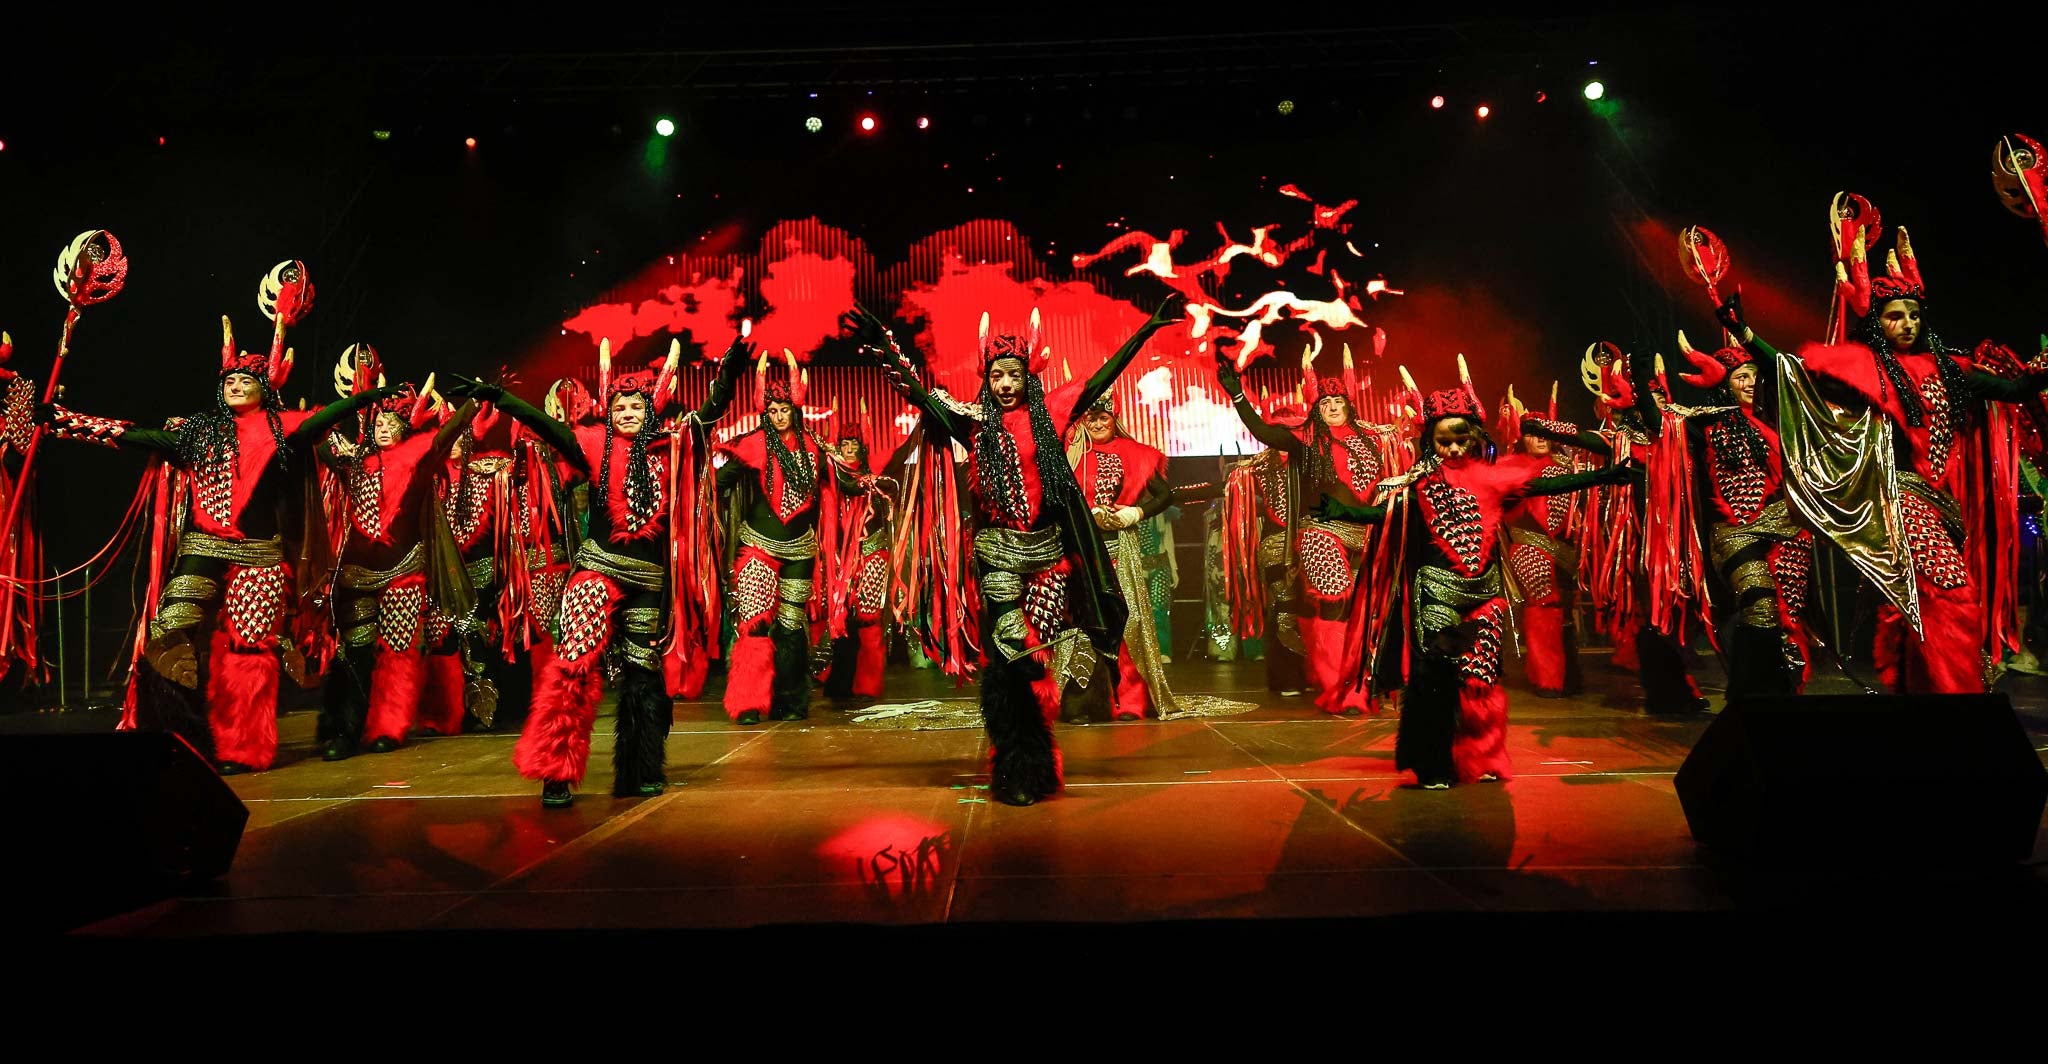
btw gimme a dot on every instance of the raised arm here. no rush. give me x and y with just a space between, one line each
876 336
444 439
1570 482
1275 436
725 384
1566 433
1098 385
1730 315
559 436
324 419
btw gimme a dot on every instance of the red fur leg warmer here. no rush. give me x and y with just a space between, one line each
395 684
1480 745
1949 659
750 681
555 744
867 673
241 701
441 693
1543 660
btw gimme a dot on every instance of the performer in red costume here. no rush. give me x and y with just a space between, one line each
543 532
1447 642
1340 458
1048 598
1762 550
398 565
476 490
1124 482
210 636
626 577
1638 536
789 489
1263 581
1927 534
860 592
1543 561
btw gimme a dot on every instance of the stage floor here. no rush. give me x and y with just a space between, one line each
1277 812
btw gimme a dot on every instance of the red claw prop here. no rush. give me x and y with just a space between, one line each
1604 371
2019 174
1848 213
285 295
1704 258
1711 371
92 269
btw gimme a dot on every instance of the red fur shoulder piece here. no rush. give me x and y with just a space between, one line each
1855 367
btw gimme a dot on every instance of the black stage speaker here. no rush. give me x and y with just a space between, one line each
1940 780
112 820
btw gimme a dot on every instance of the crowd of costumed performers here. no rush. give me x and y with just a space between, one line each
418 553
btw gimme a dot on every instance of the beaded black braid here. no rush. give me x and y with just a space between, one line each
640 487
1741 436
1322 465
211 437
1961 414
797 471
996 458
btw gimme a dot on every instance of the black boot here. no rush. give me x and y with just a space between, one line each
232 768
555 794
644 716
790 691
383 744
339 748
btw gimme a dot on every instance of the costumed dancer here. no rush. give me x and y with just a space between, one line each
544 532
1262 578
1641 560
1049 601
1340 457
867 522
1917 481
398 562
1543 562
1437 619
224 576
1124 483
476 491
789 488
637 575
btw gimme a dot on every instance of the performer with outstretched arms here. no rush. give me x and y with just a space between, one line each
1049 599
788 489
1448 636
1543 559
1338 458
1926 533
476 493
210 634
622 578
399 565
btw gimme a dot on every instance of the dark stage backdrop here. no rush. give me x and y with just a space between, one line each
1517 239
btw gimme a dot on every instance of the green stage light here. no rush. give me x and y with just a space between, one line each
1595 90
664 127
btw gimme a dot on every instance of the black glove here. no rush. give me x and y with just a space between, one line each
1228 377
1729 314
1166 314
461 387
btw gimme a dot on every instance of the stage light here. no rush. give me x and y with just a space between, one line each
1436 103
1542 96
867 123
159 142
381 134
664 127
3 145
1595 90
1484 110
814 123
1287 107
923 122
469 142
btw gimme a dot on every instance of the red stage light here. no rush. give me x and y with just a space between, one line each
1436 103
1484 110
867 123
924 123
469 142
1541 96
159 142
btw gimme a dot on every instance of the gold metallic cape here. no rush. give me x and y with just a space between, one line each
1840 476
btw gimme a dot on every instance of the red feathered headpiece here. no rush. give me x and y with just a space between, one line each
793 387
1023 348
654 383
1450 402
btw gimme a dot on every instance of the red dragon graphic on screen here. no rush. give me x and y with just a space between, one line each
1257 299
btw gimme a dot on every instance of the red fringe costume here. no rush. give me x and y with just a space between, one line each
1446 646
784 568
476 493
1262 582
224 581
1340 464
1049 602
1125 479
1955 492
639 581
860 588
396 558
